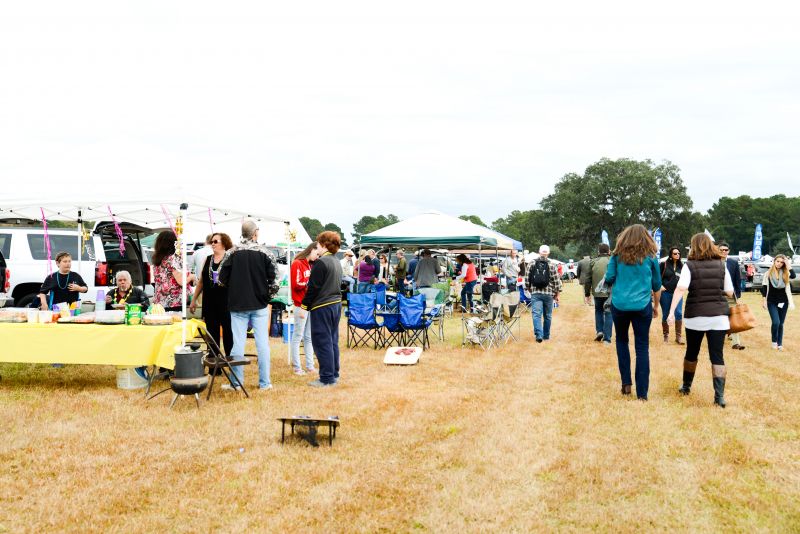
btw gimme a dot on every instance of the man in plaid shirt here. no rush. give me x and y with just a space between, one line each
543 296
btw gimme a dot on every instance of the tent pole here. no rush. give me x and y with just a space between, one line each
80 242
184 271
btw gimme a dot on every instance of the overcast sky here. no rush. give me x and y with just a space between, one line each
341 109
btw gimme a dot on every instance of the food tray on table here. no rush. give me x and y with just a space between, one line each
158 320
14 315
110 317
84 318
402 355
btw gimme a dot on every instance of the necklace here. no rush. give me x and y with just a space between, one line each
118 300
213 274
58 281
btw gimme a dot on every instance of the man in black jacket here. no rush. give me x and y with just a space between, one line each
736 277
249 272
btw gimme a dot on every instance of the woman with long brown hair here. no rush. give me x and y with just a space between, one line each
708 281
300 273
777 295
215 296
168 272
635 278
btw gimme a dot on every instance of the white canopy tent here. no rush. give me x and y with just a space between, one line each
159 212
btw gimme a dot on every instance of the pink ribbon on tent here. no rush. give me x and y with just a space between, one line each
47 244
118 230
210 220
168 219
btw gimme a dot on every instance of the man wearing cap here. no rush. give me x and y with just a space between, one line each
545 287
348 269
400 270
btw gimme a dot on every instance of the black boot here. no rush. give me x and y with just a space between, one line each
688 376
718 376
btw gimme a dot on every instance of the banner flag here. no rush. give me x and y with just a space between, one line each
757 241
604 238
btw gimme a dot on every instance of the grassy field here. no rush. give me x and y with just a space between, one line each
525 438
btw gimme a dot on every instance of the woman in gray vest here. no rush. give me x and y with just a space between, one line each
707 280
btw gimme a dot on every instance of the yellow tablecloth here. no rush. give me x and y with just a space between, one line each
129 346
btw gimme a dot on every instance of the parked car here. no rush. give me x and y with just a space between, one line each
758 276
5 279
25 253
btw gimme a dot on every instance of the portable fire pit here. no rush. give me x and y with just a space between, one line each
312 425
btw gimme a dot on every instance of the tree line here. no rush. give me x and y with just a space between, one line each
612 194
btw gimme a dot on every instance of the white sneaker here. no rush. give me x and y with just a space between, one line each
266 388
299 372
228 387
780 347
775 346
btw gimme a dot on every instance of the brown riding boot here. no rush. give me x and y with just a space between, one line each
665 329
688 376
718 376
679 333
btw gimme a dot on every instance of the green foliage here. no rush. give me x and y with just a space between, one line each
314 227
474 219
368 223
529 227
734 220
612 194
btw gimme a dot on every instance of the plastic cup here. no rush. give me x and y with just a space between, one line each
33 316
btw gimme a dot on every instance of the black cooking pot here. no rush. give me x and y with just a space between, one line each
190 377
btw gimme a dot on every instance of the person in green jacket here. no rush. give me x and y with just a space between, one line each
595 273
400 271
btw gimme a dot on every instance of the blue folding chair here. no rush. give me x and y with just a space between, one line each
524 300
394 333
414 321
362 326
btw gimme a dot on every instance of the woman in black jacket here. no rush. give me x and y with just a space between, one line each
670 273
777 295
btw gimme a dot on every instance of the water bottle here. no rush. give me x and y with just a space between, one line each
555 304
100 302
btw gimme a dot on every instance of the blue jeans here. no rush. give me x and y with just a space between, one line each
777 316
603 321
466 295
260 322
666 302
365 287
541 305
302 332
325 336
351 282
640 320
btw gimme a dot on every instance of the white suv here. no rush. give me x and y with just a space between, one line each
23 248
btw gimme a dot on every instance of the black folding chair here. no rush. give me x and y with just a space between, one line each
216 361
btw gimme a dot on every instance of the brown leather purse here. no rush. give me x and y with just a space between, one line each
741 317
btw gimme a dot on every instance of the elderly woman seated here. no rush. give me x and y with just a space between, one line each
125 293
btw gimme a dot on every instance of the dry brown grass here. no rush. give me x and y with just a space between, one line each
526 438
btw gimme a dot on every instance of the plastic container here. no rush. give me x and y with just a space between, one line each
33 316
100 303
46 316
128 378
288 329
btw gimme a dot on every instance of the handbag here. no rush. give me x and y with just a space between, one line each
741 317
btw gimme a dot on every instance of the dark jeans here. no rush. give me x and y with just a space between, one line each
602 320
666 302
640 320
215 321
778 316
716 342
325 340
466 295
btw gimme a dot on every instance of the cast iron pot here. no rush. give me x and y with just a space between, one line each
190 377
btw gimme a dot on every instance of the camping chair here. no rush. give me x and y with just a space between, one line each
362 327
394 333
383 301
488 289
413 320
484 329
511 312
215 361
434 305
446 298
524 299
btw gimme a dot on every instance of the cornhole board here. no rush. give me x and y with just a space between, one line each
412 358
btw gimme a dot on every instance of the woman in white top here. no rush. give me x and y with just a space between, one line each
707 281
